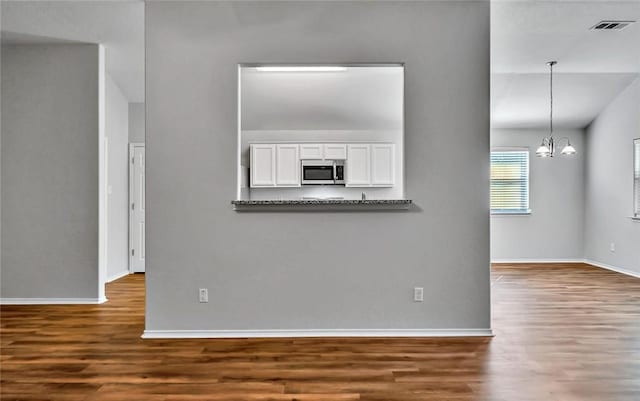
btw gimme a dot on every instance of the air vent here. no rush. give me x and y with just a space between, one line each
611 25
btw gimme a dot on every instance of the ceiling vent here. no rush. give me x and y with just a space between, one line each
611 25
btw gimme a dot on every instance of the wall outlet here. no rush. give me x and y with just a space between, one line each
612 247
203 294
418 294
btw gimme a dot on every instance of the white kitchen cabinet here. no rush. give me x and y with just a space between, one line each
366 165
358 165
287 165
382 165
263 165
311 151
335 151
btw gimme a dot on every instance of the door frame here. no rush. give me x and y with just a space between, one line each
132 146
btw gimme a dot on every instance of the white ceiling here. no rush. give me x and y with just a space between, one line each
593 66
118 25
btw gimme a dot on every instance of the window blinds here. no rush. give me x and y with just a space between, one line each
510 181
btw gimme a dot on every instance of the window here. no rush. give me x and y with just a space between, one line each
510 181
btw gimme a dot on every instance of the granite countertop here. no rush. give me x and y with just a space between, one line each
332 204
323 202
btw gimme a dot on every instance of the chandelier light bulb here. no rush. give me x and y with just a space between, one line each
568 150
543 151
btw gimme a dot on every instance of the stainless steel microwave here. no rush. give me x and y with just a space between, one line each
322 172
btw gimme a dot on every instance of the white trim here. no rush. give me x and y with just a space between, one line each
150 334
585 261
52 301
612 268
510 149
102 174
116 276
538 261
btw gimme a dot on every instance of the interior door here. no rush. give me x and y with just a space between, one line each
136 209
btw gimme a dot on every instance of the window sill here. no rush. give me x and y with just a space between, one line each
506 213
635 218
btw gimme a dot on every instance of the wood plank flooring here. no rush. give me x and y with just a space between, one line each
563 333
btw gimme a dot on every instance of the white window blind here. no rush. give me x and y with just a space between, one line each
510 181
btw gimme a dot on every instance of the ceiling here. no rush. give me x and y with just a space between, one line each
118 25
593 66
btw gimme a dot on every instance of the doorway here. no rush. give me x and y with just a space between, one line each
137 208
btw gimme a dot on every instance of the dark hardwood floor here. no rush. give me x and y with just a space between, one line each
563 333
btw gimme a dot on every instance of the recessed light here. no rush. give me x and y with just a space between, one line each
301 68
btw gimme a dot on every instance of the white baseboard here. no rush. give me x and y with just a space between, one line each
587 261
151 334
612 268
538 261
52 301
118 275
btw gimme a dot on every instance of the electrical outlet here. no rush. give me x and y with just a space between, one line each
418 294
612 247
203 294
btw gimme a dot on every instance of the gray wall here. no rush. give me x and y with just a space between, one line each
554 229
136 122
117 128
316 270
50 171
609 184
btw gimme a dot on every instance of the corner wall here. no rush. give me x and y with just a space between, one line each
609 184
555 228
50 155
316 273
117 134
136 122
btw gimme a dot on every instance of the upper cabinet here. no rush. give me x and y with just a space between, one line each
311 151
358 165
370 165
287 165
275 165
335 151
263 165
366 165
382 163
327 151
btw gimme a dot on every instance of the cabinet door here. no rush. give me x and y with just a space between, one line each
287 166
358 165
382 165
333 151
263 165
311 151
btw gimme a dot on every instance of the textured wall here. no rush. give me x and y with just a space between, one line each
50 171
295 271
609 184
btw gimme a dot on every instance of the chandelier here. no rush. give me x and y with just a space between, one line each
548 146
